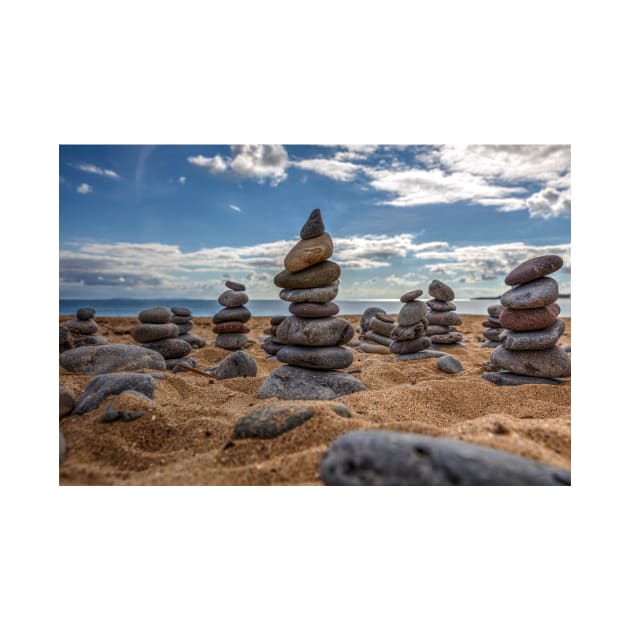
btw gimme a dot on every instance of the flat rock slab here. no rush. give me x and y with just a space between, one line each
318 275
424 354
384 458
326 358
309 252
238 314
533 340
327 331
411 295
231 327
170 348
296 383
155 315
493 334
536 294
238 364
449 364
324 293
179 319
509 378
142 333
235 286
128 405
111 358
533 269
441 291
376 338
379 326
272 420
67 401
106 385
550 363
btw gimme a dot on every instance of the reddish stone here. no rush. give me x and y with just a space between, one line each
230 327
528 319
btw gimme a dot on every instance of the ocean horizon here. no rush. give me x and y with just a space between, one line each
130 307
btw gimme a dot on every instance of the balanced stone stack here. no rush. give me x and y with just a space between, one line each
271 344
312 336
442 317
229 322
528 352
182 318
377 338
493 329
83 329
409 335
157 332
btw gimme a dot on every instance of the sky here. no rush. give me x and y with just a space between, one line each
176 221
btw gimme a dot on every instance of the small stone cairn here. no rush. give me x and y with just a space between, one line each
83 330
376 339
312 336
229 322
493 329
271 345
157 332
528 353
409 335
182 318
442 317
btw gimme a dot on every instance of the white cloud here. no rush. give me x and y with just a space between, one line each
356 152
84 189
261 162
335 169
549 203
182 180
96 170
235 208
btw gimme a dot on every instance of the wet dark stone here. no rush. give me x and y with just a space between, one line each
85 313
533 269
533 340
411 346
441 291
323 358
328 331
181 311
106 385
314 225
509 378
272 420
231 341
536 294
233 299
411 295
238 314
295 383
155 315
235 286
67 401
449 364
238 364
375 458
313 309
110 358
170 348
142 333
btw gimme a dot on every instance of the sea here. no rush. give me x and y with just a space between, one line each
115 307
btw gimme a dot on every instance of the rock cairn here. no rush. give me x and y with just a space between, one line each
182 318
528 351
442 317
157 332
312 336
271 345
376 339
229 322
493 328
409 335
83 330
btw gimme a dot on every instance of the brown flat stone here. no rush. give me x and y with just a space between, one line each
528 319
230 327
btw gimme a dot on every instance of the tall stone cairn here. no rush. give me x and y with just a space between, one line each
441 316
409 336
229 322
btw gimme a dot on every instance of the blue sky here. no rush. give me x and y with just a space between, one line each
175 221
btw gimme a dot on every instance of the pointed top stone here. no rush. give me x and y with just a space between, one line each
441 291
314 225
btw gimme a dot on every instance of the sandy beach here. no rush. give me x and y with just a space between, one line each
187 439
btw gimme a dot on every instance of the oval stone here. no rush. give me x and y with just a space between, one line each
411 295
318 275
314 309
327 331
238 314
376 338
316 294
439 305
549 363
534 294
231 341
152 332
436 329
449 364
232 299
493 334
155 315
379 326
411 346
314 225
373 348
368 313
532 340
533 269
441 291
411 313
309 252
110 358
179 319
327 358
82 327
170 348
235 286
528 319
181 311
230 327
85 313
405 333
444 318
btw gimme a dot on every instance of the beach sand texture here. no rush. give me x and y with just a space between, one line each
187 439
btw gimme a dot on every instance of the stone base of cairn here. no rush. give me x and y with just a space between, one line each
229 322
441 316
81 331
376 339
409 335
528 352
312 336
182 318
157 332
492 327
271 345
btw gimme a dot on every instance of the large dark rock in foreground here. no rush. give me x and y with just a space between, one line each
106 385
375 458
112 358
296 383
